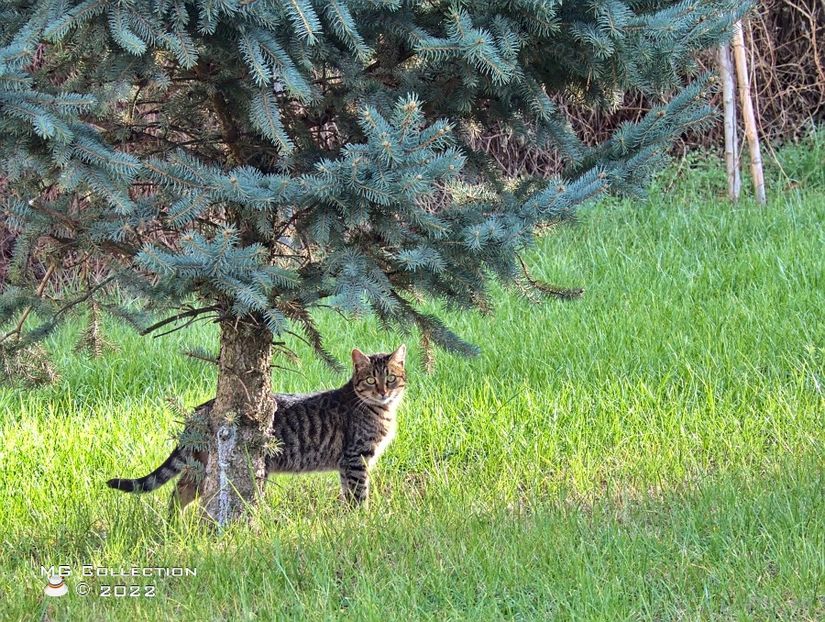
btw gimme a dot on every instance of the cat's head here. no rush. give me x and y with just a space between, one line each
379 378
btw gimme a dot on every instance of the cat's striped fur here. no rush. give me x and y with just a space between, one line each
344 430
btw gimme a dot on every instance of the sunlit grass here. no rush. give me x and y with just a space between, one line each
651 451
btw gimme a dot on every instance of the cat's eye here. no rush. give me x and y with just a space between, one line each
391 379
370 380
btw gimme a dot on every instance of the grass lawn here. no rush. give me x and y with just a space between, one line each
653 451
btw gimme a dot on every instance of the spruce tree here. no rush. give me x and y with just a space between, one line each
252 160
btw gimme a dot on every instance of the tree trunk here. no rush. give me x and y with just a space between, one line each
239 421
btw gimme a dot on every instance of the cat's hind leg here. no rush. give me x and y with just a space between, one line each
184 493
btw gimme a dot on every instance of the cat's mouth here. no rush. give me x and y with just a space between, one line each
383 401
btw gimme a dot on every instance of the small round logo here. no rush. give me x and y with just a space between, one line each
56 587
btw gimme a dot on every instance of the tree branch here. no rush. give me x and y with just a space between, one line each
225 117
562 293
191 313
83 298
39 292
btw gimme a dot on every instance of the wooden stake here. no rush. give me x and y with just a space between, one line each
731 138
738 45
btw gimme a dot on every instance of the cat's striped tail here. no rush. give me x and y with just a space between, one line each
171 467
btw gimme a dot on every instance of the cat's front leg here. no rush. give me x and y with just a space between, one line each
355 482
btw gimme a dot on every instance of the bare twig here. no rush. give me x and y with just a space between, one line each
18 330
191 313
562 293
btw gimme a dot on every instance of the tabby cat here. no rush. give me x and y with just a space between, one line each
344 430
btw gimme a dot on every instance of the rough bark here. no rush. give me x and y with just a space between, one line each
239 420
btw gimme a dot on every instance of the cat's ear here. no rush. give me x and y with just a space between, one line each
359 359
399 355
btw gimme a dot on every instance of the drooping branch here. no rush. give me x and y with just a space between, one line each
83 298
562 293
191 313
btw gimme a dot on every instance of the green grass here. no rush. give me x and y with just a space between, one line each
653 451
